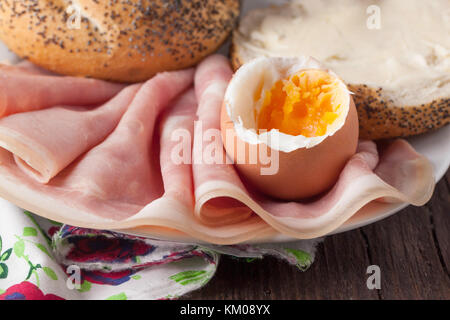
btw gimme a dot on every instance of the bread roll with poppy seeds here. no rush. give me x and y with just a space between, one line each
126 41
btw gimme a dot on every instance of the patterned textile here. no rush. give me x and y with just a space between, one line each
44 260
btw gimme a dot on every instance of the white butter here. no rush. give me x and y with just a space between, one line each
409 55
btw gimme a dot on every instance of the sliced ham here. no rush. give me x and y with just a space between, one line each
124 169
46 141
410 173
211 81
174 210
26 88
177 125
129 173
25 67
402 168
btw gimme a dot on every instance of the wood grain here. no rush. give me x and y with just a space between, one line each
412 249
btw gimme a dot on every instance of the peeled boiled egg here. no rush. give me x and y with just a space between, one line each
289 126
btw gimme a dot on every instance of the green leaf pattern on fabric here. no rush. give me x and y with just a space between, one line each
36 224
120 296
85 286
3 271
23 247
303 258
5 255
190 276
29 231
43 249
50 273
19 248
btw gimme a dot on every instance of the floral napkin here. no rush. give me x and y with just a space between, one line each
42 259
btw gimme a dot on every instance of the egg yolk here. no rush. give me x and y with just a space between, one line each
305 104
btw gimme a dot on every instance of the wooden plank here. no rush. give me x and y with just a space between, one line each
404 248
411 248
439 208
338 273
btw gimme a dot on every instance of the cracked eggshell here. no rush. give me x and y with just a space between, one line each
280 165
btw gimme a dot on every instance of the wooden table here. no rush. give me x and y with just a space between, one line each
412 249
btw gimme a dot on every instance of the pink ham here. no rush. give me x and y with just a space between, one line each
357 185
124 169
211 81
402 168
174 210
46 141
176 124
116 178
26 88
127 173
25 67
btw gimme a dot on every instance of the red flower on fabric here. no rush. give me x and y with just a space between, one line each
94 249
52 230
108 278
27 291
106 249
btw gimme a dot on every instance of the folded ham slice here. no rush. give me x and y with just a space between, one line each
211 81
46 141
122 174
26 88
358 184
130 171
25 67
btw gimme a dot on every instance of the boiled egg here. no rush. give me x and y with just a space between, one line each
289 125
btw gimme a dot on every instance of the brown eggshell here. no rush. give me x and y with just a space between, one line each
303 172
